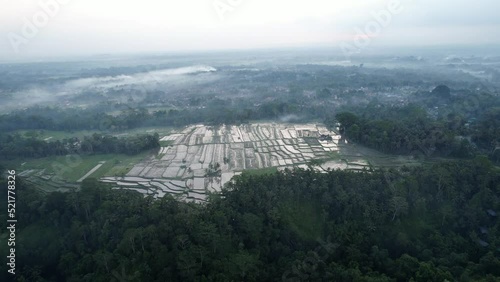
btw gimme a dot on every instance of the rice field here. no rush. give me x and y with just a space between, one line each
180 166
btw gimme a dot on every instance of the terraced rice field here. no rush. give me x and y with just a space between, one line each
179 169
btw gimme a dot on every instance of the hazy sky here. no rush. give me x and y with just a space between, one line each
117 26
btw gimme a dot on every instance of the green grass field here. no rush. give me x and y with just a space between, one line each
49 135
375 158
72 168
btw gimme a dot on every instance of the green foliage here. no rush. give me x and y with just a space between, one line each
304 218
444 123
16 146
416 224
403 130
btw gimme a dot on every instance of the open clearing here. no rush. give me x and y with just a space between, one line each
61 173
180 165
91 171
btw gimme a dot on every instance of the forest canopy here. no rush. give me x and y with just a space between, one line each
429 223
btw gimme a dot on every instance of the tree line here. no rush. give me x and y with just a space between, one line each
429 223
410 130
216 112
16 146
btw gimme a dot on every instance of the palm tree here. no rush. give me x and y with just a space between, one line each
213 172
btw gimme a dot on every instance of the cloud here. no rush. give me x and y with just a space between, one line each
171 79
160 76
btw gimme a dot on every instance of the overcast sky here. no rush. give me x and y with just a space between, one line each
132 26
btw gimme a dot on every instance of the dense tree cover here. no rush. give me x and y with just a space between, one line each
442 101
16 146
404 130
487 132
217 112
434 223
106 144
49 118
442 122
410 130
55 82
